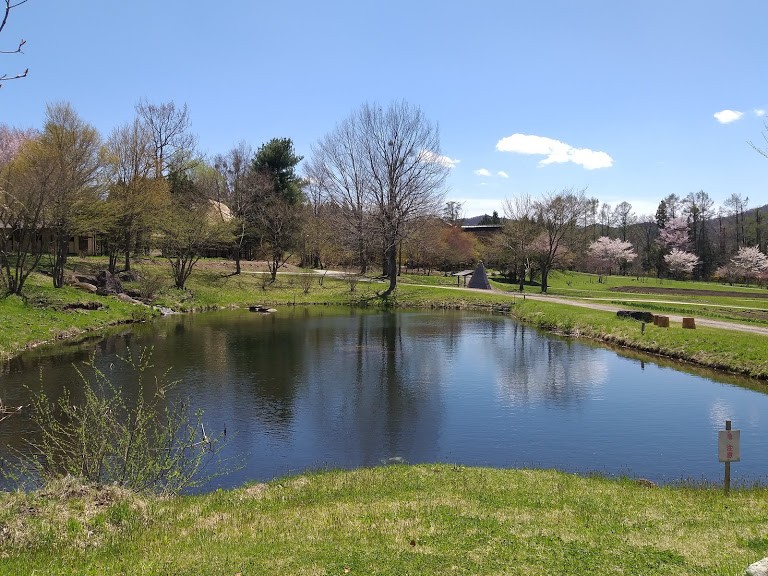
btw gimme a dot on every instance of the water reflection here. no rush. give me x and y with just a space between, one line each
320 387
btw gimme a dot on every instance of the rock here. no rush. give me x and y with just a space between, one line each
85 286
126 298
129 276
164 311
108 284
87 280
759 568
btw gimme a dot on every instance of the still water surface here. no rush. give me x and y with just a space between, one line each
305 389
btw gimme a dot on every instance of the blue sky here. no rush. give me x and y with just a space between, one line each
530 97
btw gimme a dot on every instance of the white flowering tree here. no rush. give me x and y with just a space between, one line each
609 253
749 263
675 234
680 263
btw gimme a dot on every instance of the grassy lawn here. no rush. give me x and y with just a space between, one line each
737 352
426 519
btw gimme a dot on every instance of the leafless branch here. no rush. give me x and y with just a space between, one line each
7 11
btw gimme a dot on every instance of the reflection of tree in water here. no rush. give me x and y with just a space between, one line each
380 396
533 368
267 357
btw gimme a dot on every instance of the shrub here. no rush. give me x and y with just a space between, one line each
146 443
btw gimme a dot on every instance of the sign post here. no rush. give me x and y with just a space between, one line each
728 450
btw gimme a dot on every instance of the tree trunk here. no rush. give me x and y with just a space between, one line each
390 265
544 275
60 250
236 257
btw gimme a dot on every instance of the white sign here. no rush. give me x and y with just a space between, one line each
728 449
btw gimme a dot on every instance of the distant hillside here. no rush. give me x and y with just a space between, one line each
476 220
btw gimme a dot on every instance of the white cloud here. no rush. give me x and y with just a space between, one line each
502 174
728 116
759 112
556 152
429 156
482 172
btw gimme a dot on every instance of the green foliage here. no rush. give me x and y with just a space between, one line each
146 443
278 160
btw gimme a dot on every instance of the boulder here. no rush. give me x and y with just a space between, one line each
759 568
87 280
108 284
126 298
85 286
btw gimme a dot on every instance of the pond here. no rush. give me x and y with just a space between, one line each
314 388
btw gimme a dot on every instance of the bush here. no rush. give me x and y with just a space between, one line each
146 443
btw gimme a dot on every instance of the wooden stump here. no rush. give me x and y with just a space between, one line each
655 319
663 321
689 323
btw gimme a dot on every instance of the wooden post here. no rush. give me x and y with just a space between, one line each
689 323
727 479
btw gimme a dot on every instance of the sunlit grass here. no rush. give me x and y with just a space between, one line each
427 519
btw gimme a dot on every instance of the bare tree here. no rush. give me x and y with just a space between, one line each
234 167
624 218
763 151
6 12
558 214
339 168
277 220
605 217
453 212
735 205
519 231
385 166
168 128
401 150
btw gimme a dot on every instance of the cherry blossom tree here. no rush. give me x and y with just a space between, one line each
748 264
675 234
609 253
680 262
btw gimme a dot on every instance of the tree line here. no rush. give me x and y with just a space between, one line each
686 237
371 194
145 187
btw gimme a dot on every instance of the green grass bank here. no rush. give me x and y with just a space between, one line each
425 519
